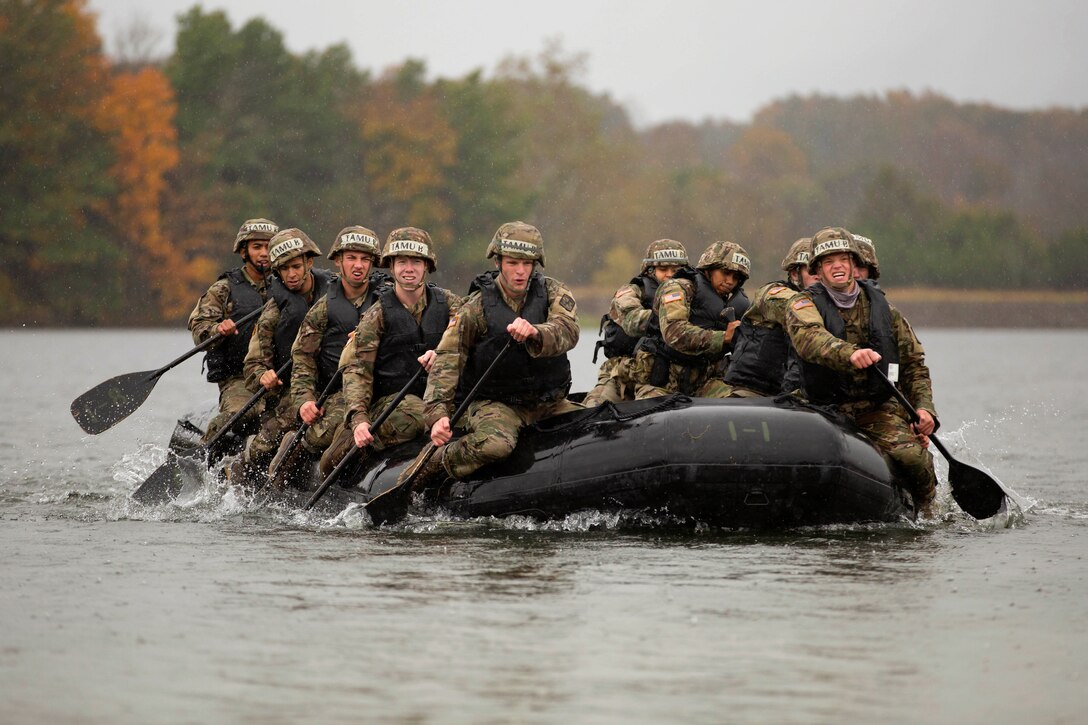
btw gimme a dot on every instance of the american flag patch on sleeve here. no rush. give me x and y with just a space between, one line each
672 297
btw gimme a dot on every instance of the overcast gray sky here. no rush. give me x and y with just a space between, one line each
698 59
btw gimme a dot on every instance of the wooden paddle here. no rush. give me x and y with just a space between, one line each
975 491
167 481
352 454
107 404
392 503
296 438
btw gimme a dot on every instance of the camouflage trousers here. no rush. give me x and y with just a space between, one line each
492 432
718 388
402 425
613 382
696 381
319 436
889 428
233 395
282 417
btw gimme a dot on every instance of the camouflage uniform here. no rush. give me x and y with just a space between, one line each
281 413
357 361
214 306
304 375
493 426
763 362
886 423
768 310
691 333
614 378
673 308
628 320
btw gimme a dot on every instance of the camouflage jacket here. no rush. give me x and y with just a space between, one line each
215 305
769 305
361 351
558 335
673 307
627 311
304 353
261 355
815 344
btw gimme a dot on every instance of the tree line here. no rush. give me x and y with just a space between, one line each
122 183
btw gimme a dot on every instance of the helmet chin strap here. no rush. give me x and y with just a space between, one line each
262 268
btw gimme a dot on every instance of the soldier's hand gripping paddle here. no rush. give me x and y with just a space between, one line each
392 503
284 454
166 482
975 491
353 453
107 404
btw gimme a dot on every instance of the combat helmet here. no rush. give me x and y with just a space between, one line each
727 255
867 252
798 254
664 252
828 241
409 242
518 240
260 229
288 244
359 239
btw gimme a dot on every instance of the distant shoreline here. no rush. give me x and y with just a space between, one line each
923 307
932 307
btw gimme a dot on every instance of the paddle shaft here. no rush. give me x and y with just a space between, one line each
426 453
301 430
354 452
108 403
914 413
900 397
284 370
203 346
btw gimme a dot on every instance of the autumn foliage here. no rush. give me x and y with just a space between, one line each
138 115
122 183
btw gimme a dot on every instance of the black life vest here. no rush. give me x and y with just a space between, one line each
226 359
293 308
519 379
708 311
404 340
824 385
343 317
760 355
614 341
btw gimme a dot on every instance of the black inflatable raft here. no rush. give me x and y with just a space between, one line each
743 463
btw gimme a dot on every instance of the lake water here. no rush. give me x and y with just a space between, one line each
214 611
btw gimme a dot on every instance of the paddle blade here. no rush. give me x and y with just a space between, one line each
390 505
975 491
107 404
167 481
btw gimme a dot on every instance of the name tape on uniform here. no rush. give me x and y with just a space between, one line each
400 246
287 245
